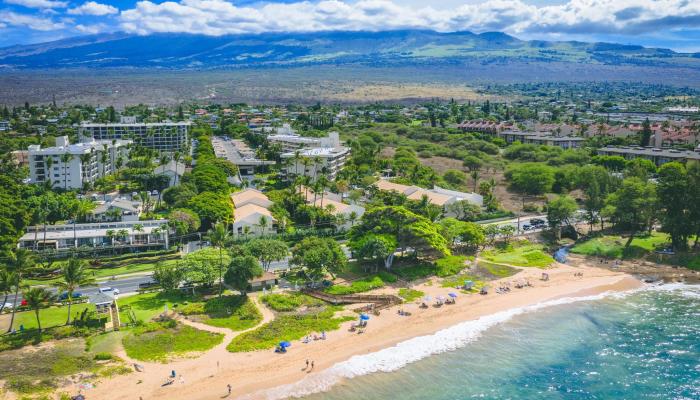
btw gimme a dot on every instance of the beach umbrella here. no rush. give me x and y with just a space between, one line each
364 317
427 298
452 294
285 344
440 298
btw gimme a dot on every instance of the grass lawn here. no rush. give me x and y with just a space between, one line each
148 305
521 254
612 246
414 271
162 341
451 265
42 370
50 317
290 301
287 327
233 312
495 270
103 272
458 280
409 295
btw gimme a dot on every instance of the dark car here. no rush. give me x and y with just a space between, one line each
64 296
537 221
147 285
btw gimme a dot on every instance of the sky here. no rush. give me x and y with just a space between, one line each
671 24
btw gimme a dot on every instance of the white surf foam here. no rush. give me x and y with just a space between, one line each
415 349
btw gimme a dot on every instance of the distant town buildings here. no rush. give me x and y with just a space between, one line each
161 136
657 155
4 126
542 138
290 141
71 166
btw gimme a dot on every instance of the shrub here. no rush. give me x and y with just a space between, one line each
358 286
289 302
102 356
450 265
410 294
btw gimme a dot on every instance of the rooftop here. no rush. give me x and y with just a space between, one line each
651 151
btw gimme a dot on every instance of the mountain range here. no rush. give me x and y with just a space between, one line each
381 49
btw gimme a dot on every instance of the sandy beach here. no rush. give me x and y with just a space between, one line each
253 374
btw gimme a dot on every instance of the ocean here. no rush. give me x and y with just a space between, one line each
639 345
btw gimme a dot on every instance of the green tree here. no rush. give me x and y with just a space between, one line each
632 206
318 257
241 270
211 208
22 262
73 275
375 249
532 179
168 276
267 251
455 177
673 193
596 183
8 281
560 212
219 237
37 298
645 134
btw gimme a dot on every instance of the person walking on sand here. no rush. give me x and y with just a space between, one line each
312 364
229 389
307 364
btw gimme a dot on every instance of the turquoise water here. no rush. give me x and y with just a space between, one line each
644 345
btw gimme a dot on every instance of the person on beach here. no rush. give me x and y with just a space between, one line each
229 389
312 364
307 364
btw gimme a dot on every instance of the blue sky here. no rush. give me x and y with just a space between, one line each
661 23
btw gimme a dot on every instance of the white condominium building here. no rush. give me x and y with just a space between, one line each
161 136
313 163
291 141
71 166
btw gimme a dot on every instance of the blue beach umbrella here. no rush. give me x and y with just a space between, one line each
452 294
364 317
285 344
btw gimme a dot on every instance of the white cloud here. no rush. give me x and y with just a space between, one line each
91 29
38 3
10 18
93 8
219 17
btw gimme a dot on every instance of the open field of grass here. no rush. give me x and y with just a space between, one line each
521 254
409 295
50 317
148 305
287 327
162 341
102 273
612 246
233 312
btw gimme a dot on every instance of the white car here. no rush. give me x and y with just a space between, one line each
8 306
108 289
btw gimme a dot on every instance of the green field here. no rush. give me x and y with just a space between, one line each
162 341
409 295
102 273
613 246
520 254
290 301
50 317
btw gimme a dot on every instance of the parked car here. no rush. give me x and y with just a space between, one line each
64 296
147 285
8 306
108 289
527 227
537 222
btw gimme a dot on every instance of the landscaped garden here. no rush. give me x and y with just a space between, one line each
289 301
233 312
613 246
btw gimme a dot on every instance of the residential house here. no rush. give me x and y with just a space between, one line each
251 209
173 170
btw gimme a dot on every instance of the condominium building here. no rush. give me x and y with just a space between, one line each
71 166
152 234
252 215
161 136
290 141
4 126
315 162
656 155
542 138
327 159
239 154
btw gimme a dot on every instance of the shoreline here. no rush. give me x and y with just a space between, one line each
267 375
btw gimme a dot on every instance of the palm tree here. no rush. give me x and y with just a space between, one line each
22 261
352 217
36 298
123 234
110 235
81 209
262 223
219 236
8 281
246 231
73 275
475 176
84 163
47 172
65 159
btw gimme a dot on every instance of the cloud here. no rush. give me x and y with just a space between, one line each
219 17
91 29
38 3
93 8
10 18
